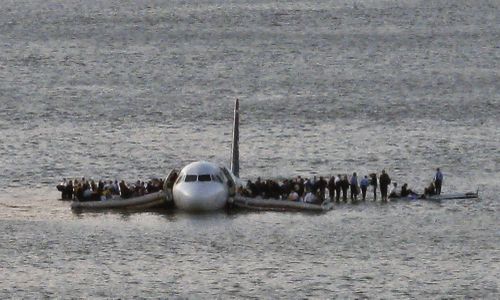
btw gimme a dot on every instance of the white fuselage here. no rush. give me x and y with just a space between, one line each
202 186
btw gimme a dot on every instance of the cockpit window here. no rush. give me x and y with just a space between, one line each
204 177
190 178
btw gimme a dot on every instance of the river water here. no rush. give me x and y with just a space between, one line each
128 90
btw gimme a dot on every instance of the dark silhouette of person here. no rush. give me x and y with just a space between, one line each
345 186
385 181
373 183
69 190
321 188
438 181
354 187
364 186
331 188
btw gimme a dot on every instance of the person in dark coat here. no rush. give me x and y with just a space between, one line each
438 181
344 183
259 187
405 191
385 181
251 189
275 189
301 184
69 190
286 188
331 188
321 188
373 183
314 186
125 191
79 191
354 187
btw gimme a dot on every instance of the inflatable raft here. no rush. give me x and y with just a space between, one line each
279 205
152 200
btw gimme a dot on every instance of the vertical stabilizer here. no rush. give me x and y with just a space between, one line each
235 152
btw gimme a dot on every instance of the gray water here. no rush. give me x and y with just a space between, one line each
128 90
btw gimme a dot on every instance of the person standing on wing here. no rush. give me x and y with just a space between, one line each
338 187
364 186
331 188
345 186
373 183
385 180
354 187
438 181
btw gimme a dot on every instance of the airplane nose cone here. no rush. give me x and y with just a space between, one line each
200 197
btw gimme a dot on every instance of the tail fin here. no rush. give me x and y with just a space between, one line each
235 160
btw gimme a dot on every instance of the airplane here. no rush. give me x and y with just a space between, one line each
206 186
203 186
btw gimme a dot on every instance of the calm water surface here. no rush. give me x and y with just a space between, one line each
107 89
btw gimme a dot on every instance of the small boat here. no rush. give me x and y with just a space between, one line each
279 205
152 200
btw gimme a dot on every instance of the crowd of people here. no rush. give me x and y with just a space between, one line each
335 188
90 190
310 190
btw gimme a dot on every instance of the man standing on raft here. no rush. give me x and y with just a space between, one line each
438 181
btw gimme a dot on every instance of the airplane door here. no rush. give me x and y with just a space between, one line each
230 181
